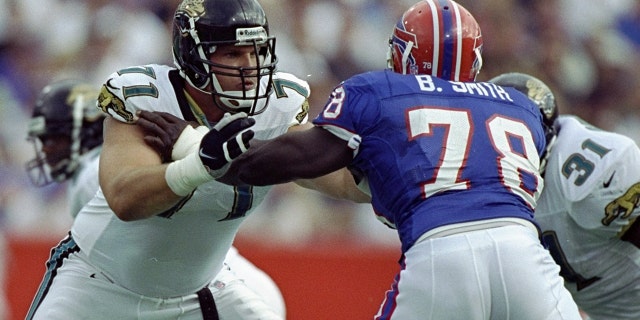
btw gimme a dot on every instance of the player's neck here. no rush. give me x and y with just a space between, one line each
204 102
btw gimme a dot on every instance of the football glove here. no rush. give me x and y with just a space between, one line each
228 139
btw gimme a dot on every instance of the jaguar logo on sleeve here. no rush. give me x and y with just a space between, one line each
623 206
304 112
110 104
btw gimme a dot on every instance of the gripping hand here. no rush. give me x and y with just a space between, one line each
171 137
228 139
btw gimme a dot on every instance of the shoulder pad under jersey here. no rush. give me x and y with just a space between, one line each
286 85
132 89
290 94
587 156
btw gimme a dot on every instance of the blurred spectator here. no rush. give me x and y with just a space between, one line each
628 24
139 36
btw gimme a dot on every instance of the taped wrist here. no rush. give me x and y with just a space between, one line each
188 142
184 175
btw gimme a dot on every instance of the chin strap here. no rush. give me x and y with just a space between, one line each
478 62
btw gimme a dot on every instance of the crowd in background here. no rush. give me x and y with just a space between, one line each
587 51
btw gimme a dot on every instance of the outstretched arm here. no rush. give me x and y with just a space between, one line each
339 184
162 132
135 181
296 155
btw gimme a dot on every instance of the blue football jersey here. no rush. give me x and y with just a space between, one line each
436 152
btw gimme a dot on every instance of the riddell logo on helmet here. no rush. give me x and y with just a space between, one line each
249 34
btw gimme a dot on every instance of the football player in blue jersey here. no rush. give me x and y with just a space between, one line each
451 163
588 211
151 243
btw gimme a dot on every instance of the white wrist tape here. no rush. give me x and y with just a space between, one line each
188 142
184 175
203 129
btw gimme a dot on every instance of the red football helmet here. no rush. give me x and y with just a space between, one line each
439 38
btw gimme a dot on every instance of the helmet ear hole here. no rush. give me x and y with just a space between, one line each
185 51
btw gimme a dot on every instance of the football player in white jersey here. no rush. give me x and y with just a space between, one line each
588 208
66 131
148 244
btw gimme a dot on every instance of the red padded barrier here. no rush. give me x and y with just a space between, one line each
337 280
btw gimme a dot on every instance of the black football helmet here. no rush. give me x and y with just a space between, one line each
199 26
538 92
65 124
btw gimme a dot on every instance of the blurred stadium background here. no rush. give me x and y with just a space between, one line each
332 259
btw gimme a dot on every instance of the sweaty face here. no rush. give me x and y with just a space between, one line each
235 67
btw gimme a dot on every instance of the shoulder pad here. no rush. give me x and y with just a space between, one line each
140 81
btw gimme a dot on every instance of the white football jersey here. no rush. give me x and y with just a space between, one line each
180 251
84 183
590 198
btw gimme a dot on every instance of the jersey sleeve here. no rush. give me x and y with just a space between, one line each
350 111
129 90
297 93
598 176
616 192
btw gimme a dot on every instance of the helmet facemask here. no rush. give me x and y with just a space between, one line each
55 165
192 57
37 168
252 101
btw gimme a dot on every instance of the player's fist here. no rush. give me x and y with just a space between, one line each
228 139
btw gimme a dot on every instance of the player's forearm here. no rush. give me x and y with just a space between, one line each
262 169
338 184
273 162
305 154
